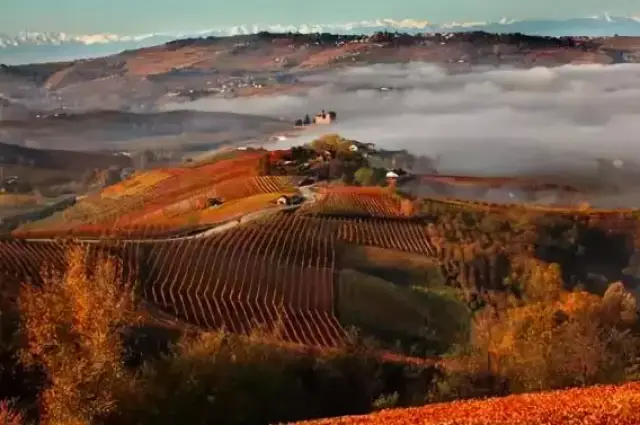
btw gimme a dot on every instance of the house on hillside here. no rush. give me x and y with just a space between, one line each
324 117
289 200
214 202
397 176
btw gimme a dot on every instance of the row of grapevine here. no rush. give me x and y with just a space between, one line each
408 235
166 229
167 196
278 273
249 186
185 190
29 262
275 273
354 203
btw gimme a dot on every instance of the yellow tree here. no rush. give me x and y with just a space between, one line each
72 326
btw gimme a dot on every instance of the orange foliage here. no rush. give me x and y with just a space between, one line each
136 184
588 406
72 327
243 186
190 189
9 416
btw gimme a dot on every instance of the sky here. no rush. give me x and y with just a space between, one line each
131 17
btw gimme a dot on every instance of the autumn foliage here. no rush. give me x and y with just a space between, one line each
588 406
551 338
10 416
72 326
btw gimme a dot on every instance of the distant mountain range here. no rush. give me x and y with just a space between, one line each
45 47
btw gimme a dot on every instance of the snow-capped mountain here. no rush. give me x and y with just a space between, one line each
32 46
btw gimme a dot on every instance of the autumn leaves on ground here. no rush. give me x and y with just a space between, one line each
451 301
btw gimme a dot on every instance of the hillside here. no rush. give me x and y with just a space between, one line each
596 405
268 63
339 237
309 276
59 159
26 169
171 132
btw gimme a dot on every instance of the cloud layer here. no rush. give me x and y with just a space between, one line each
485 122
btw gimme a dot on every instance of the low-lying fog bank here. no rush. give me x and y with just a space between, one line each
487 122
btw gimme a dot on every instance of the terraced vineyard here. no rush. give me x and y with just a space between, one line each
278 272
406 235
286 270
372 202
257 274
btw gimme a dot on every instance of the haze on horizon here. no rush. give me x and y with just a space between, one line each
126 17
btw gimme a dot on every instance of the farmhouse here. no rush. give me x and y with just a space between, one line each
289 200
324 117
214 202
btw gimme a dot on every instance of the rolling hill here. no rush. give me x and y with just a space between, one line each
184 69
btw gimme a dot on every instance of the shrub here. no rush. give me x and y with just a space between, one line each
559 339
230 379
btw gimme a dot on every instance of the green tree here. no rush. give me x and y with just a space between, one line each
379 176
364 176
367 176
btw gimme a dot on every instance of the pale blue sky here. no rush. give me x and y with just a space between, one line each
142 16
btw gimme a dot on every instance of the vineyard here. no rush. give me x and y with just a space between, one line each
364 201
283 270
166 199
237 208
279 271
254 275
258 274
137 184
308 272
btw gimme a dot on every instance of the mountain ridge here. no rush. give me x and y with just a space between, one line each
29 47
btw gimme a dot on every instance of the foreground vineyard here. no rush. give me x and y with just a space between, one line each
597 405
277 273
260 274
